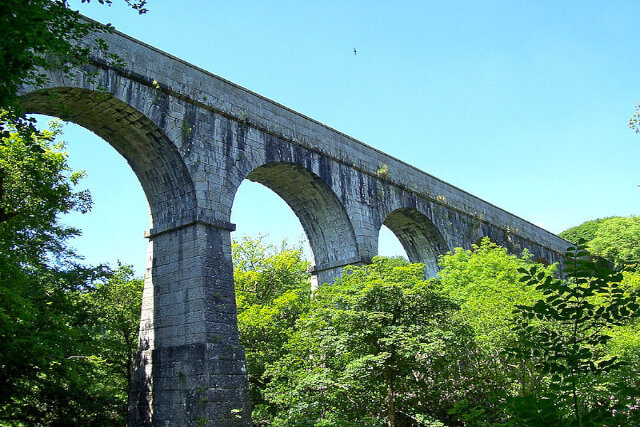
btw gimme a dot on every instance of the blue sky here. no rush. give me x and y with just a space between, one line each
524 104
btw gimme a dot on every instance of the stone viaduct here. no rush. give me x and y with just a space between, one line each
192 138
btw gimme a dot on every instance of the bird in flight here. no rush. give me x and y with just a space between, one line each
355 52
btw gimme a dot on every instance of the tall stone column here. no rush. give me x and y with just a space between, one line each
191 367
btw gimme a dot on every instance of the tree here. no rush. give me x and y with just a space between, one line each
566 333
382 346
634 121
625 345
484 282
616 239
263 272
368 352
585 231
36 186
35 273
272 292
114 314
56 362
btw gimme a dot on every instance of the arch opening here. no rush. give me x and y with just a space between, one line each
323 218
153 158
421 239
258 212
389 245
112 231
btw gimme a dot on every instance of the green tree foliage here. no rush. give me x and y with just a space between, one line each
484 282
625 344
370 351
43 368
566 333
114 314
616 239
264 272
36 186
34 189
585 231
382 346
57 330
272 292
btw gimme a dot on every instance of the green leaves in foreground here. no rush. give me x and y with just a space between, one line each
565 333
369 351
383 346
66 330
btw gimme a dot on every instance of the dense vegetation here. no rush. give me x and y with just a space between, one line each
615 238
495 340
67 331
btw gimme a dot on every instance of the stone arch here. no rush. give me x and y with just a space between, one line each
176 230
323 217
152 156
421 239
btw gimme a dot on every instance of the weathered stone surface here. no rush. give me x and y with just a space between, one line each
192 138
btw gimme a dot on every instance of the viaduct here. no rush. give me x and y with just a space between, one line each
192 138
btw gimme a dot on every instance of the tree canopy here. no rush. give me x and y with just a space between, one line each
566 333
66 330
616 239
634 120
383 346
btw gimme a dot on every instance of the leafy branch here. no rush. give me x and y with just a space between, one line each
566 330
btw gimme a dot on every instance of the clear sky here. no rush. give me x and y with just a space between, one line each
522 103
